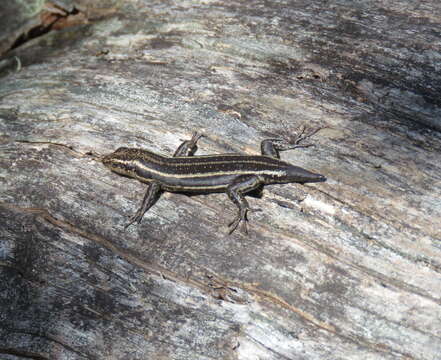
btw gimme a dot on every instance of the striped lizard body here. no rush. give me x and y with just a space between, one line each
234 174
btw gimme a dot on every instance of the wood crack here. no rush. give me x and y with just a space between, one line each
48 337
23 354
277 300
167 274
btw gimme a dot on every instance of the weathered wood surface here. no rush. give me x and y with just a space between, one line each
347 269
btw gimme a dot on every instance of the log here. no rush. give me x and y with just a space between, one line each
346 269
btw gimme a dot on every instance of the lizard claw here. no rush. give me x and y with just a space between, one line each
133 219
241 218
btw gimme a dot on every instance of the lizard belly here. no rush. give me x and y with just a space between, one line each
201 184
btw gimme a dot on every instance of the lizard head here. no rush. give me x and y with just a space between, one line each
120 161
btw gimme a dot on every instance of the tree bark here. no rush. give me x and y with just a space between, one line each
347 269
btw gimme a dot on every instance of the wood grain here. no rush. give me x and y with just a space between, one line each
347 269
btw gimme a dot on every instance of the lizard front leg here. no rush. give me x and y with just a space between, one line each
154 191
151 196
188 147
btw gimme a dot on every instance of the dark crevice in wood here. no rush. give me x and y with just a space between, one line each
69 147
263 295
44 27
148 267
23 354
47 337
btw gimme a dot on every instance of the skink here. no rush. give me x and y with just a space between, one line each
233 174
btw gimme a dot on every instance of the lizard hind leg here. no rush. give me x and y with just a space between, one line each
272 147
235 192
